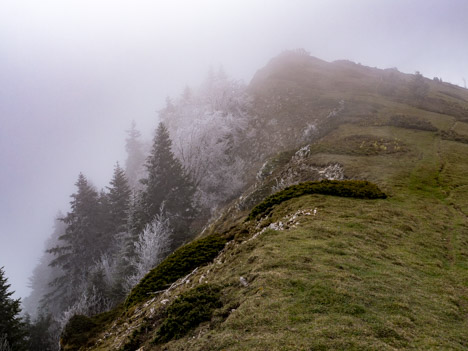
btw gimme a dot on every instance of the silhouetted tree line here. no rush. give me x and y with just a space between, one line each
106 243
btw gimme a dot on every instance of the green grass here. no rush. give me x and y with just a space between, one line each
377 276
362 274
363 145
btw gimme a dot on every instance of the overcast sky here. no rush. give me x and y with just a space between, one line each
73 75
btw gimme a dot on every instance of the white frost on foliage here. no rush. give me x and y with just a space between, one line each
206 127
309 131
107 265
90 303
152 245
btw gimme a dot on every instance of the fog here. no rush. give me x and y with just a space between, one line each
74 74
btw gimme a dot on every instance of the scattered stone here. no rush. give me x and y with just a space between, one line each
243 281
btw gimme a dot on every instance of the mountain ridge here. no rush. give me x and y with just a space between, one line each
320 272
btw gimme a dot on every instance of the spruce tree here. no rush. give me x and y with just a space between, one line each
83 242
41 299
119 200
127 250
119 207
168 187
12 327
41 334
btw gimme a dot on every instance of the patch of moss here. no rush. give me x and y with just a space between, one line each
188 311
180 263
346 188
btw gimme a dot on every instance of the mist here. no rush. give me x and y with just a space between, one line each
73 75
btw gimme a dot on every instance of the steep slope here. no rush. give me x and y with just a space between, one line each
321 272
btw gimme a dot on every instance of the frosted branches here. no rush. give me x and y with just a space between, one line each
152 246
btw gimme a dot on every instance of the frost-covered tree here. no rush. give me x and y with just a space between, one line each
12 327
88 303
152 246
209 129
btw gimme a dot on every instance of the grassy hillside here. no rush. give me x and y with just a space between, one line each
320 272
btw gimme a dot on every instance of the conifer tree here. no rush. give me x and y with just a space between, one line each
114 207
41 334
82 242
168 187
41 299
117 217
119 200
135 156
12 327
127 250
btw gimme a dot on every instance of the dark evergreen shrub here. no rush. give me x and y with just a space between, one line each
76 333
188 311
346 188
180 263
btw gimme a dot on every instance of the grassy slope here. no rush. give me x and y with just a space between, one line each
361 274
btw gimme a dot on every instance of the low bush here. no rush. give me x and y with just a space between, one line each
346 188
180 263
77 332
188 311
454 136
410 122
82 330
